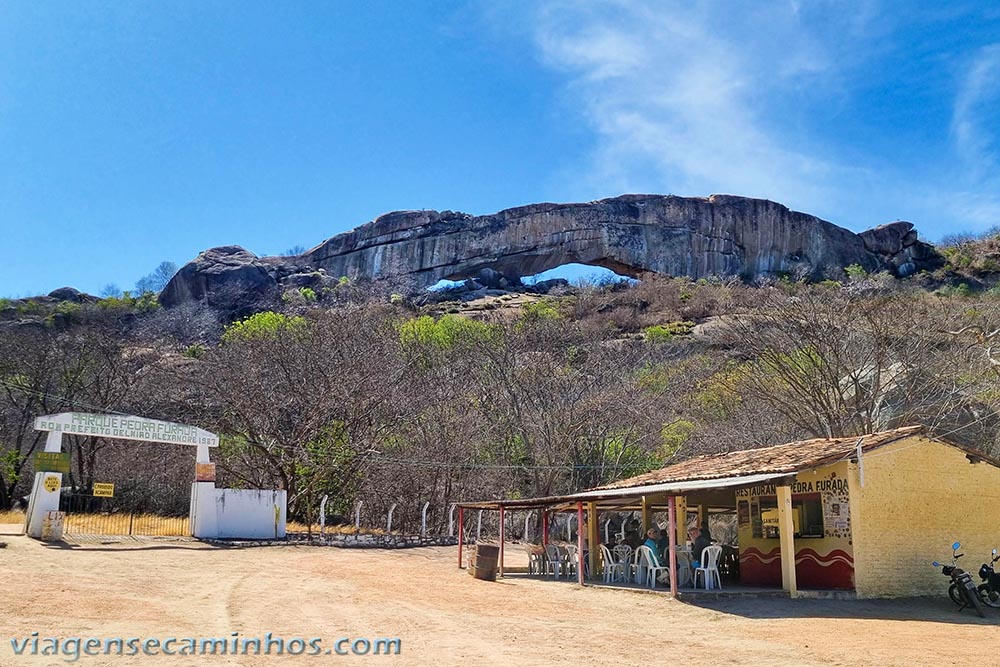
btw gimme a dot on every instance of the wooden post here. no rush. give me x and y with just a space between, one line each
702 516
593 537
461 534
647 517
502 538
680 506
545 528
579 542
786 530
672 539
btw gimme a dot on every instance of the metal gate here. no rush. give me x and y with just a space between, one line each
126 514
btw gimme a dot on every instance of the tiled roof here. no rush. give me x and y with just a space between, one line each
791 457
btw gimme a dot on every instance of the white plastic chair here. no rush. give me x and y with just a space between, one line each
614 569
623 556
554 562
536 559
683 568
709 567
650 569
572 558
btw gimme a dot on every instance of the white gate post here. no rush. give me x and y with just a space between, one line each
322 514
42 501
479 526
388 527
607 533
527 518
451 521
569 527
423 519
357 515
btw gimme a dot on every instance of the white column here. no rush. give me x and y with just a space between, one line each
42 501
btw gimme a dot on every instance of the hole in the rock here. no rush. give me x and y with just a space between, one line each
580 274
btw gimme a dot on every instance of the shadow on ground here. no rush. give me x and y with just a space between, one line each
927 609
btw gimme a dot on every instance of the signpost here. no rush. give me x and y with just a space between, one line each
52 462
104 490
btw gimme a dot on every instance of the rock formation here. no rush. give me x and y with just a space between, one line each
720 235
634 234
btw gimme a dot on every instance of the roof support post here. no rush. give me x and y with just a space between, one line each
593 536
545 527
502 538
579 543
681 508
461 534
647 515
786 530
672 539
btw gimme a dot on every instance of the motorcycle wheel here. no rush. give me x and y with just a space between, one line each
974 602
956 595
990 598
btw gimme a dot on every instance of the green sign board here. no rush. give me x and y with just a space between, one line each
52 462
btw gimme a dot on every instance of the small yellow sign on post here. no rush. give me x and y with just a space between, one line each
52 483
104 490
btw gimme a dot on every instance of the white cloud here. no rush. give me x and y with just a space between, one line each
690 94
715 96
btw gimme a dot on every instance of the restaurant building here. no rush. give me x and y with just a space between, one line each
866 515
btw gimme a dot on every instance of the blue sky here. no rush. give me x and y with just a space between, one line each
132 133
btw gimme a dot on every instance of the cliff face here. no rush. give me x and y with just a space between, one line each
697 237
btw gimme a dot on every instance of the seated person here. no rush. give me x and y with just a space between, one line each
698 544
663 543
633 539
652 538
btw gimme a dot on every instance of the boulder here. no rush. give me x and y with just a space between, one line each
70 294
228 278
546 286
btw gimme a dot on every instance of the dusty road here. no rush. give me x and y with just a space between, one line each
441 615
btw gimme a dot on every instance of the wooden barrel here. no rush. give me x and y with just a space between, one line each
487 556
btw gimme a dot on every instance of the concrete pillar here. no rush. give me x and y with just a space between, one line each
42 501
204 517
786 530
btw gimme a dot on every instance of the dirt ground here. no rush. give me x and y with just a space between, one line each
161 588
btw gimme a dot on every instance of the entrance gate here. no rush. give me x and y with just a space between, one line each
126 512
87 514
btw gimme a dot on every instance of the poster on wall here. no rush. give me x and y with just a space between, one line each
758 528
743 514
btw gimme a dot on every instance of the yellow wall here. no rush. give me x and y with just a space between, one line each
821 562
918 497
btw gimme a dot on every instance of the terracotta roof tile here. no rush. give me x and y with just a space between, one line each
791 457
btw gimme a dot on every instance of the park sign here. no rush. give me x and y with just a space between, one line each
52 462
126 427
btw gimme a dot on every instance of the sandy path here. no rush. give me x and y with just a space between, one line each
443 616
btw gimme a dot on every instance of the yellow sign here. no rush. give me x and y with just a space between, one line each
104 490
52 483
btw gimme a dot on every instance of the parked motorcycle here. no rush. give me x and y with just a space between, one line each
989 590
963 590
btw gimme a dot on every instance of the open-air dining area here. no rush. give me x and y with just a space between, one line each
826 517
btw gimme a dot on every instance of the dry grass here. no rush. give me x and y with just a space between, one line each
12 516
151 524
346 529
